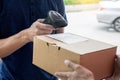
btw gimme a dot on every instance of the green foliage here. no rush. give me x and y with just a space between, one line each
69 2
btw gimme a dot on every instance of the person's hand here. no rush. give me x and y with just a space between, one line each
116 74
59 30
37 28
79 73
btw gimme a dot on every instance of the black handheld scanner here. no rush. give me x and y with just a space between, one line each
55 19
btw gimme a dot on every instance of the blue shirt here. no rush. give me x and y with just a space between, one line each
16 15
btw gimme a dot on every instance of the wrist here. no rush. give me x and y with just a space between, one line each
24 36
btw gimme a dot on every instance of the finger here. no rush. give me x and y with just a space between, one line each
45 26
72 65
63 74
118 57
60 30
40 20
44 32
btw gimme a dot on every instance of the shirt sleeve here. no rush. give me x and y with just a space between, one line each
61 8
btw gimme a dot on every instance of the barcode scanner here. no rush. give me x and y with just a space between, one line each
55 19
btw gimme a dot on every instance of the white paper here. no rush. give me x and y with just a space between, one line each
68 38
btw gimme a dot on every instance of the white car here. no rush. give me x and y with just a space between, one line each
109 12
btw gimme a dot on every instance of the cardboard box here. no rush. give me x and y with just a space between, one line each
50 53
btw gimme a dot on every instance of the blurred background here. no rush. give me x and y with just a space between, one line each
73 2
84 18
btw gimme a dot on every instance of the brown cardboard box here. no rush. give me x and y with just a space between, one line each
50 53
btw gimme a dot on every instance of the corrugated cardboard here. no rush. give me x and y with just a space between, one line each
49 54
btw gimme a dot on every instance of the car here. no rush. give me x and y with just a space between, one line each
109 13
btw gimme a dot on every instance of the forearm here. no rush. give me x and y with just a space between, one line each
11 44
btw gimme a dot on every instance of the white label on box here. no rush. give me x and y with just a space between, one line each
68 38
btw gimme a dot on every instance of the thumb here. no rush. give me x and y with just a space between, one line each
72 65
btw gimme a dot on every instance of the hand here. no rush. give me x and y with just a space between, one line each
59 30
79 73
116 74
37 28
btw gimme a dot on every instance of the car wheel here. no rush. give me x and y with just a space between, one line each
116 24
